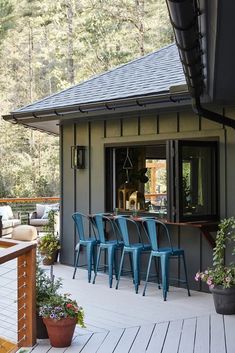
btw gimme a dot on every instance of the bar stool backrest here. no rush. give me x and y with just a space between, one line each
100 220
123 226
152 227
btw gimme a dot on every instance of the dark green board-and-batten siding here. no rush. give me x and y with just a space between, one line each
84 190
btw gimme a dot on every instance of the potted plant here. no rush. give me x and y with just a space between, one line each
60 315
46 287
49 244
221 278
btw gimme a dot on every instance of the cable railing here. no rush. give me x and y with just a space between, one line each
17 295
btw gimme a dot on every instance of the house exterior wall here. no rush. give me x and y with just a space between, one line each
84 190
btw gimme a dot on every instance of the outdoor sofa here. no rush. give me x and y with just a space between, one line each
8 221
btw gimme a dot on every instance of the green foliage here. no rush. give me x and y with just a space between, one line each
45 287
221 274
61 306
45 47
50 242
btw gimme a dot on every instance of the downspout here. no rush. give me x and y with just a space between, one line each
184 19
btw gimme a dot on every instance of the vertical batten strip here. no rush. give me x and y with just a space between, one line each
74 186
61 181
157 124
89 166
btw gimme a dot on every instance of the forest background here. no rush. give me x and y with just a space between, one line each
50 45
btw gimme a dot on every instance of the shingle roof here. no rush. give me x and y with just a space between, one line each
151 74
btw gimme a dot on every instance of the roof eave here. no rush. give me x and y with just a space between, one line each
99 108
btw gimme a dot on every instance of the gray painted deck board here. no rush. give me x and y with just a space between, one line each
172 340
202 337
229 324
187 336
78 343
111 341
158 338
142 339
126 340
94 342
217 334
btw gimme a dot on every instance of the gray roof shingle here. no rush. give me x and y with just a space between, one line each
151 74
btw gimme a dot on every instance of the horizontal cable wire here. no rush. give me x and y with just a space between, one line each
8 303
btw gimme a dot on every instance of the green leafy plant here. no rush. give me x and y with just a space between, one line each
50 242
45 286
221 274
61 306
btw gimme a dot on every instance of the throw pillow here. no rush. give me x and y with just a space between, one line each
40 210
49 208
9 212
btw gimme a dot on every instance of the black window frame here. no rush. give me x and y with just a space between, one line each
174 172
174 175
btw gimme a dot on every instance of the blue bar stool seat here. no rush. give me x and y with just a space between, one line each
151 227
88 241
110 246
135 249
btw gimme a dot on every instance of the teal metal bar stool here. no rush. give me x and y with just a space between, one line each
110 246
135 249
88 241
152 227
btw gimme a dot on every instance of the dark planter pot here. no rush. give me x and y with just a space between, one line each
50 260
41 330
60 331
224 300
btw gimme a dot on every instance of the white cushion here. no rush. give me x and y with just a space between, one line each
38 222
40 210
9 212
47 209
7 224
24 232
43 209
4 213
15 222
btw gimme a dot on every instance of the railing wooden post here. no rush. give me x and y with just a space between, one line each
27 299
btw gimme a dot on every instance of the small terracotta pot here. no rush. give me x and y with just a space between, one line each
60 331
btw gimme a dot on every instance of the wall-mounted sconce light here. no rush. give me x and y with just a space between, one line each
78 157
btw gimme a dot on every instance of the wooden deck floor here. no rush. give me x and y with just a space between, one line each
121 321
206 334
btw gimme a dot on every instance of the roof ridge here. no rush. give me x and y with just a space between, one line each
97 76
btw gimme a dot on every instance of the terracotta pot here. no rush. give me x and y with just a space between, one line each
224 300
60 331
41 330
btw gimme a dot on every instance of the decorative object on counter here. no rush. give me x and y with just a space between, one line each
221 278
61 314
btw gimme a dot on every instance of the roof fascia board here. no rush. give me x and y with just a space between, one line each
116 107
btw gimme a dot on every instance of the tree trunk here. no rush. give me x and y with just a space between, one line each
139 4
70 60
